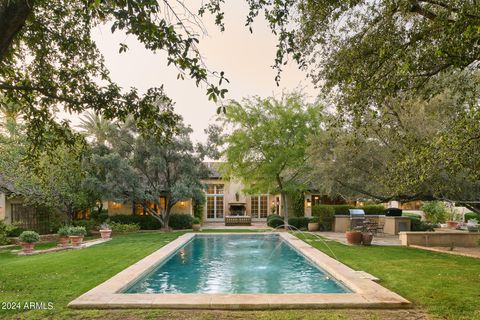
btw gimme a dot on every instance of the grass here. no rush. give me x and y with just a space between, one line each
441 285
444 285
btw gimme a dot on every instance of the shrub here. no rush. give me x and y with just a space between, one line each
3 234
275 221
99 216
29 237
14 229
435 211
146 222
180 221
376 209
198 210
418 225
412 215
314 220
89 225
471 216
124 227
196 220
342 209
325 214
64 231
78 231
298 222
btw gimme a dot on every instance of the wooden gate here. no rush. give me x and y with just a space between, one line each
31 218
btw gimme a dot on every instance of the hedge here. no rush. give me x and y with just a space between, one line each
89 225
146 222
180 221
325 214
343 209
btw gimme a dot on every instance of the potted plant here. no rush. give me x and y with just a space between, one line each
314 224
354 236
27 240
105 231
472 225
367 237
196 226
452 219
76 235
63 233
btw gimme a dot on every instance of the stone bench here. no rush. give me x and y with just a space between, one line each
238 221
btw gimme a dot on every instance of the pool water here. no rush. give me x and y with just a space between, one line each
237 264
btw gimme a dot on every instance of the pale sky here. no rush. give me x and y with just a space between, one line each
246 59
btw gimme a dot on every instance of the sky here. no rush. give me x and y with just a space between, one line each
245 58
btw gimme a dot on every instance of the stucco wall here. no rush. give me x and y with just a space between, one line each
115 208
2 206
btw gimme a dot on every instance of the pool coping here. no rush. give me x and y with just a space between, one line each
365 292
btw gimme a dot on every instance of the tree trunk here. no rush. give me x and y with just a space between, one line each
13 14
285 209
166 219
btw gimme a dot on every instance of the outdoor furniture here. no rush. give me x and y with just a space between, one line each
379 228
238 221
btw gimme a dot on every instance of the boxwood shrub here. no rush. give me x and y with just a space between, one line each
89 225
298 222
180 221
325 215
274 221
146 222
343 209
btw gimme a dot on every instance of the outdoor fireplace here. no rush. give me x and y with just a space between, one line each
237 208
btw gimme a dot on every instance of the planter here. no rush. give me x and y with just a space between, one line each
472 228
354 237
367 238
27 247
106 233
196 227
63 241
313 226
76 240
452 224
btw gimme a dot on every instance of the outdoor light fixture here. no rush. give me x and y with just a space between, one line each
309 203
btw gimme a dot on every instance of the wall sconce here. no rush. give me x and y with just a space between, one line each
182 204
309 203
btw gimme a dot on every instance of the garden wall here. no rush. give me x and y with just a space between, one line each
440 239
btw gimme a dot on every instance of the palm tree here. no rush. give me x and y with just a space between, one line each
97 127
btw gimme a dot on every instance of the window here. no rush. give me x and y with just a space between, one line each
316 199
259 206
215 201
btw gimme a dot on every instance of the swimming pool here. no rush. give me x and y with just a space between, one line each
275 270
237 264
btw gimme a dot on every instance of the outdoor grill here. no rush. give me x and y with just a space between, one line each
357 217
393 212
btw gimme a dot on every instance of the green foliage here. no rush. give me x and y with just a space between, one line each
325 215
146 222
119 227
3 233
314 220
435 211
180 221
64 231
298 205
99 217
418 225
89 225
275 221
472 215
373 209
14 229
267 149
78 231
29 237
342 209
300 223
198 210
196 220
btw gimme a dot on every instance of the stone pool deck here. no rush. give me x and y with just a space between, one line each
380 240
366 293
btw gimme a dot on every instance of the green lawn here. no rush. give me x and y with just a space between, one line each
444 286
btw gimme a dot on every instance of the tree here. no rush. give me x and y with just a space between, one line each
97 127
48 59
267 148
171 171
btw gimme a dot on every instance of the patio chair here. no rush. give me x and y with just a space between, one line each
379 228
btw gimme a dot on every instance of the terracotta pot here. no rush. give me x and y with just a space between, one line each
313 226
27 247
196 227
367 238
452 224
76 240
354 237
63 241
106 233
